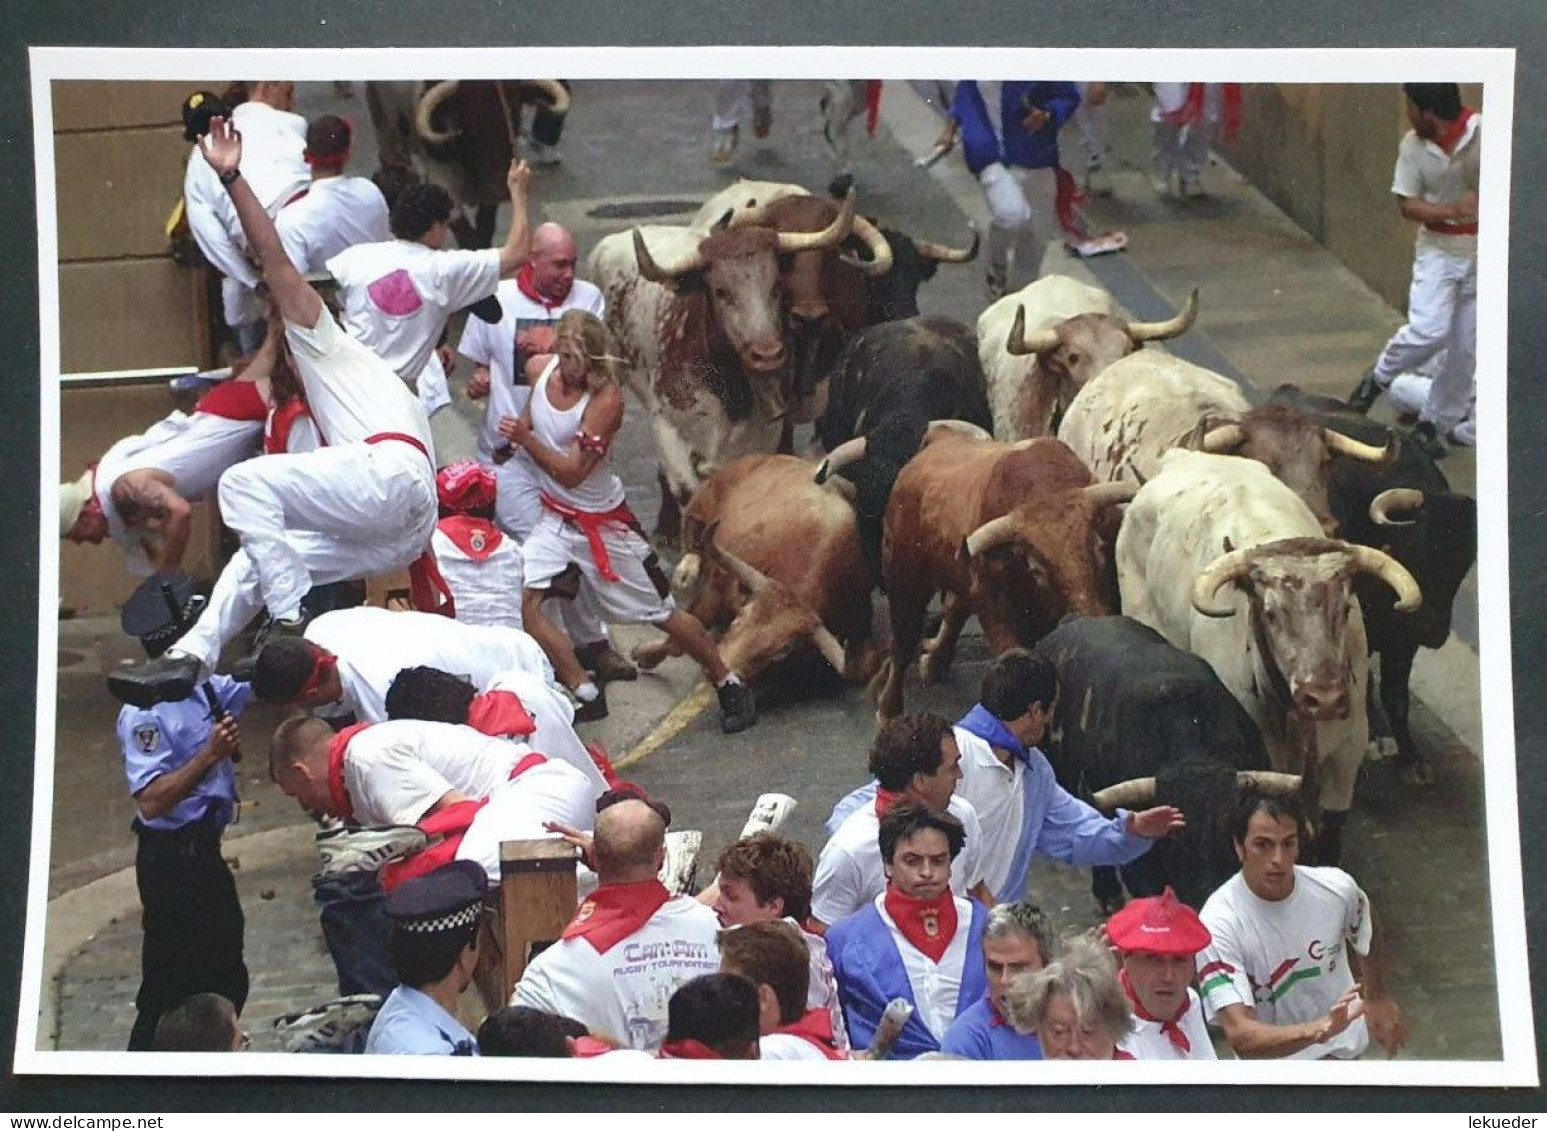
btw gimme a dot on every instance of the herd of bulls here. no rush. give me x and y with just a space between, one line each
1041 471
1044 473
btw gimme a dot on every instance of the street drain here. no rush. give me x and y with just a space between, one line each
642 209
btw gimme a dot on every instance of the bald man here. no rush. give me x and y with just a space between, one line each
631 944
503 353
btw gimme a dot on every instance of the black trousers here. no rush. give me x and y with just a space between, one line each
193 924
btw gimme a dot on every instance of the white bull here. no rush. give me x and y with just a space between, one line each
1074 333
1225 561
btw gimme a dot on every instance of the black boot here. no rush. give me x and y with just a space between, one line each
738 706
1425 436
166 679
1365 392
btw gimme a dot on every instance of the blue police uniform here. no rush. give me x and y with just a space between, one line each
192 919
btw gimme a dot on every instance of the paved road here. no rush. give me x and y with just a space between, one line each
1274 304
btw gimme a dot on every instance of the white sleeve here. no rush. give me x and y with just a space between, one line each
535 989
318 341
202 206
1358 927
475 344
1406 180
1222 980
293 239
835 888
467 276
972 868
390 785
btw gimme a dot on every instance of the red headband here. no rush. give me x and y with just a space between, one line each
324 664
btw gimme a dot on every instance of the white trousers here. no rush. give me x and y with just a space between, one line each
735 100
1022 205
517 507
1184 150
1441 316
518 809
334 514
632 599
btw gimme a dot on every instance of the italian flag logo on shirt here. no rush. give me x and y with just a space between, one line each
1217 974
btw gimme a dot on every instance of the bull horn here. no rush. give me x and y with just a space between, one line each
1223 439
1019 345
1110 494
1392 572
827 644
1353 449
850 451
880 261
658 273
830 236
553 91
1279 785
965 427
752 578
1170 328
994 532
1135 793
1396 498
943 254
424 113
1229 566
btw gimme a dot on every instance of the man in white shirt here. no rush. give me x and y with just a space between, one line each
1157 941
507 355
631 943
398 295
772 956
915 941
364 504
273 140
1435 182
334 212
1288 943
915 760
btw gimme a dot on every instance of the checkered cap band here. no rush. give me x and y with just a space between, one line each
463 918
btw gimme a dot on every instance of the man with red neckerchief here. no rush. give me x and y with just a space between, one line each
916 940
1157 941
334 212
631 944
772 955
480 564
712 1017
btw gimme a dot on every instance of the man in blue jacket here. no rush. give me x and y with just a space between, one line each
1014 155
915 941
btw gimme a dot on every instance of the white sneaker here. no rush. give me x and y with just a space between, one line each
681 863
366 850
1465 433
769 812
328 1027
1160 181
722 145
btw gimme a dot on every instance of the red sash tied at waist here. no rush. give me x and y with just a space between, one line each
427 589
1451 228
591 523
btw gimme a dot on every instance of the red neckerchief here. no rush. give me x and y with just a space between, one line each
500 714
816 1028
524 281
885 799
1122 1054
478 538
1172 1028
234 400
280 422
929 925
994 1019
616 911
450 824
338 792
687 1050
1453 133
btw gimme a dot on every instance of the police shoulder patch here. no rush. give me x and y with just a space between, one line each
147 737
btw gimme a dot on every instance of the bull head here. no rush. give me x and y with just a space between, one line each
1236 565
1001 530
774 620
442 93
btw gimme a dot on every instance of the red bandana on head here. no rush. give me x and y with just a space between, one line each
616 911
928 924
526 280
687 1050
1172 1028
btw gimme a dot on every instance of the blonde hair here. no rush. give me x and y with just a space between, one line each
1087 973
596 345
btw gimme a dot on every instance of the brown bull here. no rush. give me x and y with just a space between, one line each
1017 534
774 561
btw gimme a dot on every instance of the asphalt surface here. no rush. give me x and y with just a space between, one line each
1275 305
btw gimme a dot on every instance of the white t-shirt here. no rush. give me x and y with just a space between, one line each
398 294
351 392
373 645
849 873
494 345
1287 960
997 795
518 809
1426 172
784 1046
1146 1041
623 994
487 589
554 715
936 985
335 214
396 770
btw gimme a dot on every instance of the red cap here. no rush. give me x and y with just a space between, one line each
465 486
1159 924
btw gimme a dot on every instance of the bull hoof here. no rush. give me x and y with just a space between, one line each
1419 774
686 574
1380 749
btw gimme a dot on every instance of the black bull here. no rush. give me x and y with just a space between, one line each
1436 540
1130 705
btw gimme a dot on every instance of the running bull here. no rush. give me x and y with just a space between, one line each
1226 562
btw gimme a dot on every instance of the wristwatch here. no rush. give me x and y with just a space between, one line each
230 175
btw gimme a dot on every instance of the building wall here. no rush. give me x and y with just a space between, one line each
1324 154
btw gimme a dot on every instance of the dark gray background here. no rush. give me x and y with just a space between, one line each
1120 23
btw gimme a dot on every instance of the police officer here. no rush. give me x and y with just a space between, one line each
178 759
